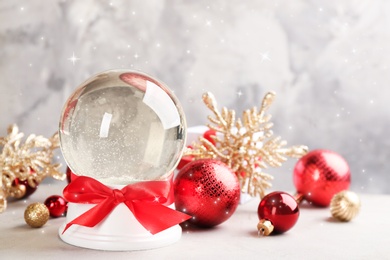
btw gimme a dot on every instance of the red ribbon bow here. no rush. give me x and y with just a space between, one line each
146 200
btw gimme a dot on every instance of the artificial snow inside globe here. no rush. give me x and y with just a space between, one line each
122 133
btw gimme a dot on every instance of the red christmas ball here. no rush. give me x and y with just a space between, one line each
280 209
207 190
319 175
25 186
57 206
208 135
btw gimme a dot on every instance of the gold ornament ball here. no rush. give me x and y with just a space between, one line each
345 205
36 215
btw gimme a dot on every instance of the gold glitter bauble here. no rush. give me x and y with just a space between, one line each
36 215
345 205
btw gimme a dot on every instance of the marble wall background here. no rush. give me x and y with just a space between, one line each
328 62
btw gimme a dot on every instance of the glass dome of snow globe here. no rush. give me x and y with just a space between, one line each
121 127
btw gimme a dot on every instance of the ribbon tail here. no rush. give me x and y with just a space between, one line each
94 216
156 217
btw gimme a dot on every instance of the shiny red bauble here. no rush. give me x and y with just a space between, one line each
319 175
207 190
57 206
281 209
209 134
25 186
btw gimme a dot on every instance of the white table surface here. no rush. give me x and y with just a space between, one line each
315 236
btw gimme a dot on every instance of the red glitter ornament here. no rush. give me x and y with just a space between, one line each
319 175
57 206
207 190
278 212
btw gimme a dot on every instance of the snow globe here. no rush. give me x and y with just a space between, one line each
122 133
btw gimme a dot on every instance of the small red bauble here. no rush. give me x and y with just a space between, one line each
28 189
207 190
57 206
278 212
25 186
319 175
209 134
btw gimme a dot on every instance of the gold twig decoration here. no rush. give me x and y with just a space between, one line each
29 161
247 146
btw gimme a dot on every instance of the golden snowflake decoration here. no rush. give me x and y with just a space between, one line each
29 161
247 146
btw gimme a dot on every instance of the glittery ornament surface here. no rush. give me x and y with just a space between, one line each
208 191
36 215
319 175
121 127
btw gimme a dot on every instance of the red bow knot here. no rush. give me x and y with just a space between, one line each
146 200
118 195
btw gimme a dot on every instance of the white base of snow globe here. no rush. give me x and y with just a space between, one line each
119 231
